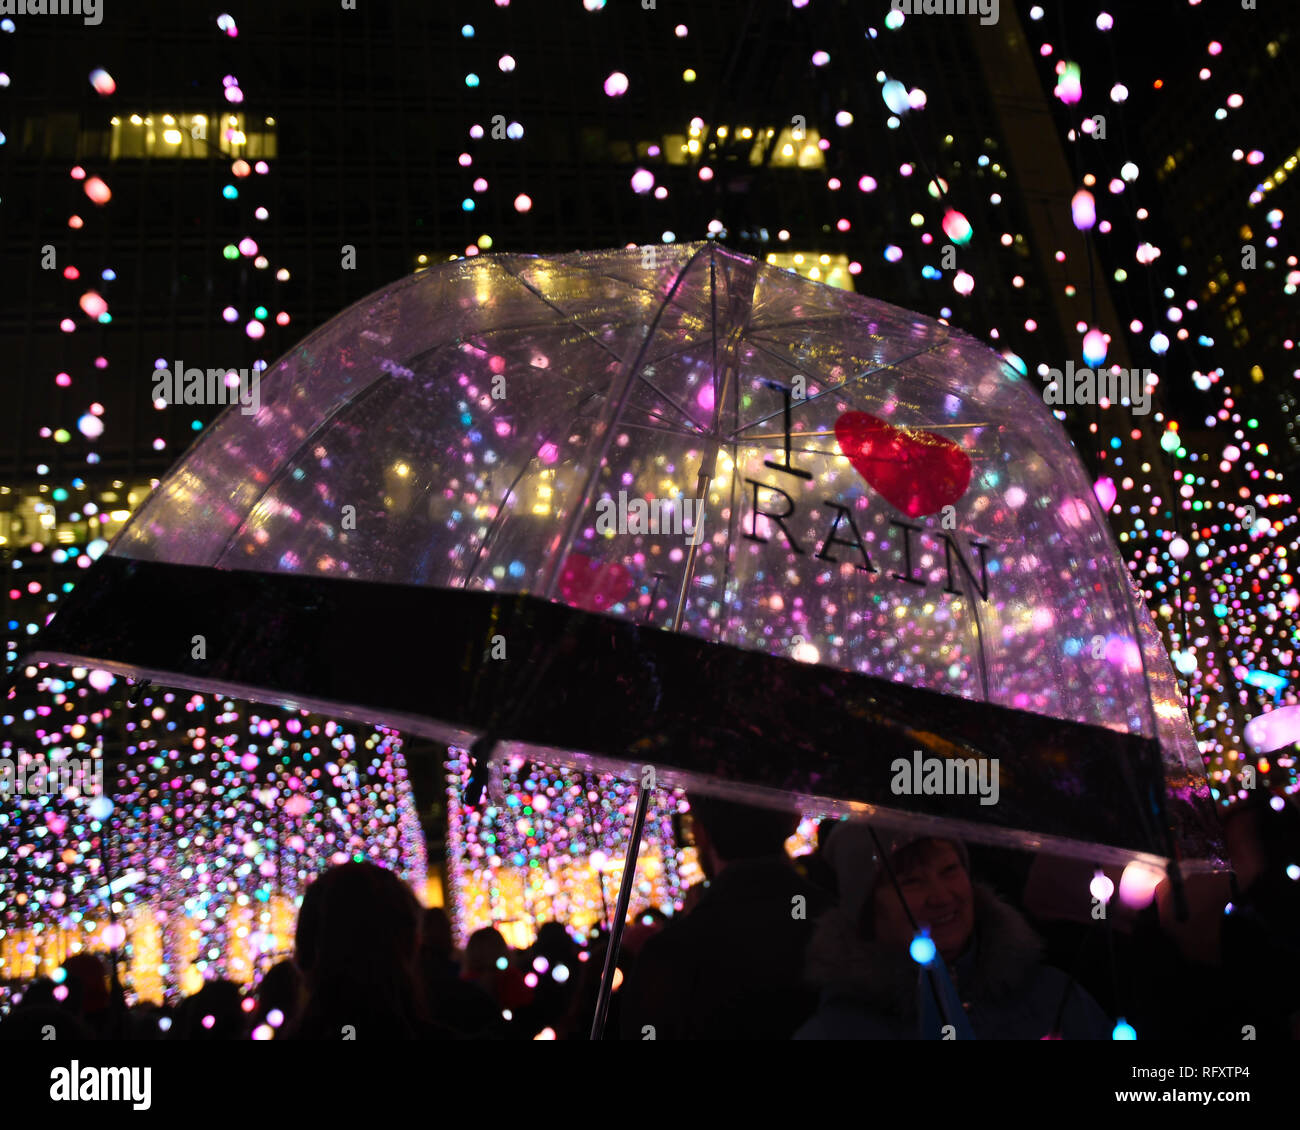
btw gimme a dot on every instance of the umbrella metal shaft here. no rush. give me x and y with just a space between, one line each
625 885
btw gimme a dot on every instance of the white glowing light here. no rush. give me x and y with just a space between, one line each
1101 887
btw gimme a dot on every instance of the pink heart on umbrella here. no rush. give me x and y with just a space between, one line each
591 584
916 472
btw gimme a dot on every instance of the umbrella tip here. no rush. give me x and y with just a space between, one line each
479 755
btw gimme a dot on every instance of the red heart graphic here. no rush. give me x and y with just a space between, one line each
594 585
914 471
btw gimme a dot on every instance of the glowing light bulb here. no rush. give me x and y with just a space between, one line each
1101 887
97 190
956 227
1083 210
923 949
1137 886
1106 492
895 95
1274 730
1069 85
1094 347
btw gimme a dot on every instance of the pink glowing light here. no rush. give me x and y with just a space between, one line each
1083 210
97 190
1106 492
1274 730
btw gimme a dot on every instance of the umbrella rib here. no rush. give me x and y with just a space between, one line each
758 344
630 367
592 270
478 338
798 323
571 319
850 314
662 301
809 399
338 409
670 429
695 428
502 511
639 376
824 432
713 441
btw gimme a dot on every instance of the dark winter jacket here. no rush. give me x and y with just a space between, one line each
871 992
731 969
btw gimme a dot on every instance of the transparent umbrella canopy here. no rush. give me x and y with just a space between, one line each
616 497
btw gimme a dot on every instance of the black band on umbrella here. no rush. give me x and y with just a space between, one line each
411 657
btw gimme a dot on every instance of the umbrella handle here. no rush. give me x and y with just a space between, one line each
625 886
480 755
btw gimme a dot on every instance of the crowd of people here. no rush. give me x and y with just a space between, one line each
873 936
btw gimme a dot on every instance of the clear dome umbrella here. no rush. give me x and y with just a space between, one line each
671 509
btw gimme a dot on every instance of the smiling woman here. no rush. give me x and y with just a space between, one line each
935 883
877 982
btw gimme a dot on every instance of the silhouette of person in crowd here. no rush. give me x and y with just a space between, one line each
732 967
358 947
